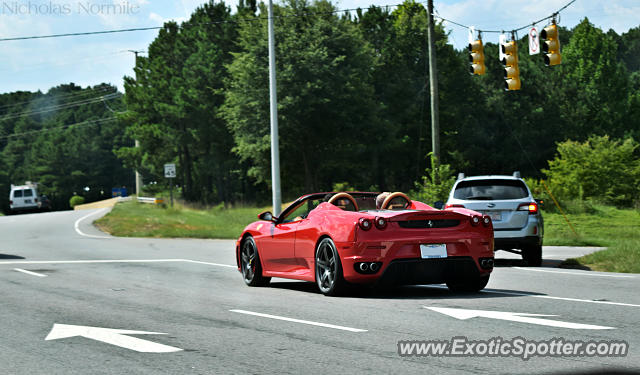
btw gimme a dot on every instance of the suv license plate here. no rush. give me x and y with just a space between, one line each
432 251
496 216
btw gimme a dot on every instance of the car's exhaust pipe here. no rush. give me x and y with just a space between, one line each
486 263
374 267
364 267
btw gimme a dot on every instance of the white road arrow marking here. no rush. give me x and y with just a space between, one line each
111 336
464 314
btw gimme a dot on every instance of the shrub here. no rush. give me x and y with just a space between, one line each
436 184
600 169
76 200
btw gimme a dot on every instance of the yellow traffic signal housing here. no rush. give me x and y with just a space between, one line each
476 57
510 62
551 45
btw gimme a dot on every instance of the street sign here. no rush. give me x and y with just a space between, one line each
534 41
170 170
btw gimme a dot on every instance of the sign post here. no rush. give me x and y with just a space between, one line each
170 173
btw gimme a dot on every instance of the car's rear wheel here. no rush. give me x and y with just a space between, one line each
250 264
328 268
468 285
532 255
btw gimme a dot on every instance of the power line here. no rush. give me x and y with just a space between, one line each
61 106
183 25
65 96
78 124
553 15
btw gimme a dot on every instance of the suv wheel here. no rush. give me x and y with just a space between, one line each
532 255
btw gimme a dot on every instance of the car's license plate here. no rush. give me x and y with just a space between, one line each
27 201
494 215
430 251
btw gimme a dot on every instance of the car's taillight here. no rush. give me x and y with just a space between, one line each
486 220
531 207
36 200
10 202
453 206
365 224
381 223
475 220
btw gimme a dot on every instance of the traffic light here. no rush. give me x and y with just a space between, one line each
510 62
476 57
551 45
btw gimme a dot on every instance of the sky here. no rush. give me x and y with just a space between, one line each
31 65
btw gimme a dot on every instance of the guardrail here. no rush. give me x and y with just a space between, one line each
150 200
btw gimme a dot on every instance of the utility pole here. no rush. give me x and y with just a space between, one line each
433 82
137 143
273 98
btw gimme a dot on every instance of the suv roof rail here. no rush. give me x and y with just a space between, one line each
516 174
460 176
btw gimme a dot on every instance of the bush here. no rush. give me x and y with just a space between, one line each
600 169
76 200
436 185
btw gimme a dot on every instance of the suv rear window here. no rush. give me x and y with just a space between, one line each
17 193
490 190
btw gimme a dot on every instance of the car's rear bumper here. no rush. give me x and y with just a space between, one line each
23 208
401 263
517 242
429 271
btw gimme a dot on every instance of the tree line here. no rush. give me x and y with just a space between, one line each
64 141
353 101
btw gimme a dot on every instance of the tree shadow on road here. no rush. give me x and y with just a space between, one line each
8 256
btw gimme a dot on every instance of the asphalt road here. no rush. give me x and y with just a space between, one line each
212 323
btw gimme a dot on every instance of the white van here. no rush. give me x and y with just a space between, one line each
23 197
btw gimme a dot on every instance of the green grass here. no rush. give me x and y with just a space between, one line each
133 219
617 230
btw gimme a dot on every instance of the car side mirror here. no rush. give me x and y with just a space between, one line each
266 216
439 205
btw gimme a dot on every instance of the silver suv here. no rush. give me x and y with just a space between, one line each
517 221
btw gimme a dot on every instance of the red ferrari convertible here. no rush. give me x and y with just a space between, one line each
337 239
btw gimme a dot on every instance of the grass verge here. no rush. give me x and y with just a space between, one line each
616 229
133 219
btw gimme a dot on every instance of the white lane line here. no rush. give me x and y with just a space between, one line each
208 263
299 321
566 298
29 272
544 296
577 273
77 224
92 261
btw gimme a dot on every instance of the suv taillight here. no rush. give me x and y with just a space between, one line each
453 206
532 208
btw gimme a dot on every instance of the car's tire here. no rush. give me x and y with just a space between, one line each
532 255
468 285
250 264
328 268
